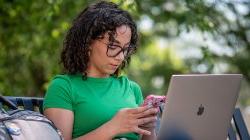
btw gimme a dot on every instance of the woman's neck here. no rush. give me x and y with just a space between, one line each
91 73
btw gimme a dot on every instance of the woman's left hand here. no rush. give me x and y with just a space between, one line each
149 125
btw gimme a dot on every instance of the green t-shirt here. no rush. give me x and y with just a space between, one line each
93 101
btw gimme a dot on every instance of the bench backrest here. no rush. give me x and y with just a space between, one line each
28 103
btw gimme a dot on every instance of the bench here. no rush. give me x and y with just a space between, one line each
28 103
238 127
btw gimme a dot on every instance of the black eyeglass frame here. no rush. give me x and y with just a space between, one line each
130 50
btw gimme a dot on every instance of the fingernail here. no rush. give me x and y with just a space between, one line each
148 133
149 105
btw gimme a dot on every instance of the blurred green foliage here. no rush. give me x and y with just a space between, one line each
32 32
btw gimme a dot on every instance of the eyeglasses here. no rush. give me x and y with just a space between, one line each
114 50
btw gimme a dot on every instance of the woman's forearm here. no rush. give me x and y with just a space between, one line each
104 132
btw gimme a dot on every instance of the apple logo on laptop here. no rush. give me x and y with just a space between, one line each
200 110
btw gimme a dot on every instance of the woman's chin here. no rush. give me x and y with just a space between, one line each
111 71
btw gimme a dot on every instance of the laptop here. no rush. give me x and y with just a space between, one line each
199 107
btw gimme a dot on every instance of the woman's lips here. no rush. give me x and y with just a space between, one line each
114 66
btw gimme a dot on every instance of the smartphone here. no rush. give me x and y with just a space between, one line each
154 100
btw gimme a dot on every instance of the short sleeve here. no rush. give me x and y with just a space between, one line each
59 94
138 93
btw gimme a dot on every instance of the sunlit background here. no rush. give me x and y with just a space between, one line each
176 37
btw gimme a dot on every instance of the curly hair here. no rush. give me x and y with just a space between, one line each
92 23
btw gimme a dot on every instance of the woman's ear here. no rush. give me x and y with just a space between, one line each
90 50
90 47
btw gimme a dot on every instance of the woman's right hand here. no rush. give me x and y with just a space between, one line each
127 120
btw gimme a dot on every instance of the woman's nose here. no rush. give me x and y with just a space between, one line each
120 56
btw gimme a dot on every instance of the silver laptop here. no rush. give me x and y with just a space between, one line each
199 107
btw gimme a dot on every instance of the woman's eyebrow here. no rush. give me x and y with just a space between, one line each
118 42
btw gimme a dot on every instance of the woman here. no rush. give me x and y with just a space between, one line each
91 101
